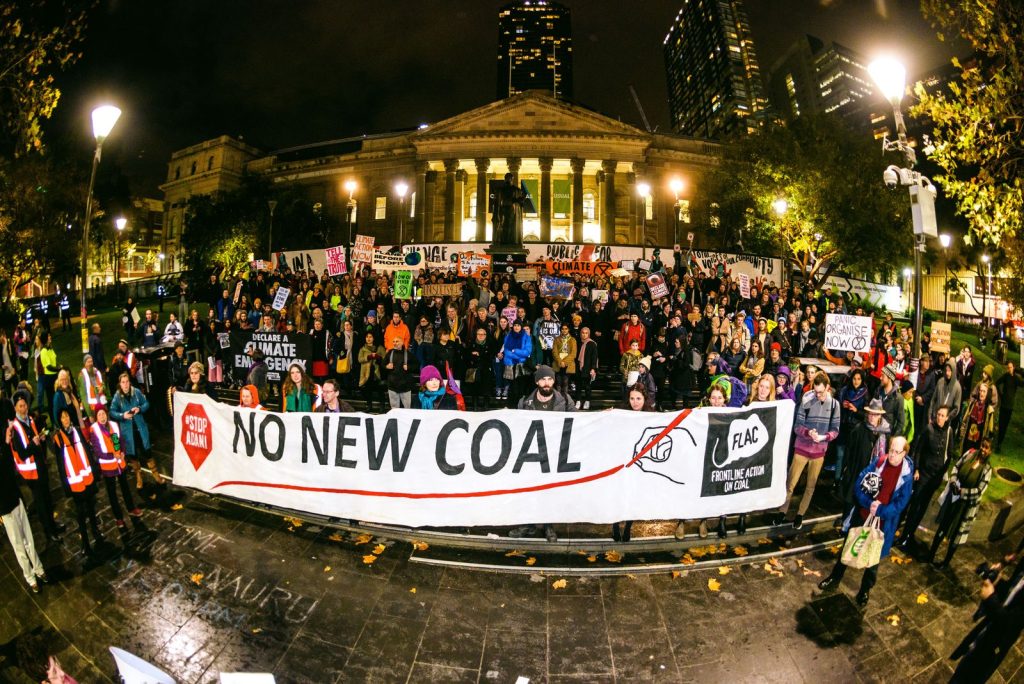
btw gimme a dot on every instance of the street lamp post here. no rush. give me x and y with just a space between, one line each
907 274
643 190
401 188
676 186
103 120
945 240
119 223
271 204
160 257
891 78
350 187
987 260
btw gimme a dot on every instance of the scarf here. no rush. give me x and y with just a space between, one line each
428 398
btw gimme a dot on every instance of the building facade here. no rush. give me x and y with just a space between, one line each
534 49
815 77
203 169
714 80
582 170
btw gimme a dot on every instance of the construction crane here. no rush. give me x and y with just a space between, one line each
636 99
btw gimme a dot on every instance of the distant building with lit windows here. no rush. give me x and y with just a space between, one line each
715 85
815 77
534 49
581 169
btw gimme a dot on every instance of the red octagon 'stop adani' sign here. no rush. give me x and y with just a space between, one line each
196 434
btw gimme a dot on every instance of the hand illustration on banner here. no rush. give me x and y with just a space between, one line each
656 460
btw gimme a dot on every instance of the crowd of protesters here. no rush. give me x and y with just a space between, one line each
906 424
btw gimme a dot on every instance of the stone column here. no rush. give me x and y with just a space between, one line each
460 204
577 198
482 193
450 167
545 198
513 167
429 190
419 227
608 201
633 208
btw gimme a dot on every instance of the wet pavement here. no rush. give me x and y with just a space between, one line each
212 587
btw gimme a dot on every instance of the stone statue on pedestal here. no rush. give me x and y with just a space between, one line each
507 219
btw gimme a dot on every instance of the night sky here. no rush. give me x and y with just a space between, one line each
288 73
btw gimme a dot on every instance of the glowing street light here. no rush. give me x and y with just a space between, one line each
676 185
780 206
891 78
350 187
103 120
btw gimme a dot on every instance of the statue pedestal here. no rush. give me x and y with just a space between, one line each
502 250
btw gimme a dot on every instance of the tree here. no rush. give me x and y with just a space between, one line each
839 214
978 125
37 41
39 230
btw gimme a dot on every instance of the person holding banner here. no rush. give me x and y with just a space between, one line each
883 490
332 403
397 363
300 394
432 395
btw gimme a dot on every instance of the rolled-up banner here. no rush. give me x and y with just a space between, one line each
445 468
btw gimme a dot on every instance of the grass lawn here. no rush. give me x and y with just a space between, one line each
1012 453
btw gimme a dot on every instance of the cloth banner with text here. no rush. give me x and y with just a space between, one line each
280 351
449 468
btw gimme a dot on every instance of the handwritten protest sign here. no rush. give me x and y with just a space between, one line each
847 333
336 261
941 335
281 298
362 251
442 290
391 261
744 285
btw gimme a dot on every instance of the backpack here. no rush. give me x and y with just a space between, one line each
738 397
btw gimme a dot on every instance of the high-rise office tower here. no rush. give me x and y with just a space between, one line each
534 48
815 77
714 81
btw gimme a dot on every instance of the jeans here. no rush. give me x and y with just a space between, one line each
400 399
111 484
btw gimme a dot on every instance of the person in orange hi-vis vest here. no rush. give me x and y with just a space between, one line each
105 437
15 523
78 476
92 391
29 454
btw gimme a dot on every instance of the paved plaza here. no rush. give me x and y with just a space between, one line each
213 586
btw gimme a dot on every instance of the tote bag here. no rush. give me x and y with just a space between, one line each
863 547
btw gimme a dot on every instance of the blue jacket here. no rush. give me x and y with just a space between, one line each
888 514
518 347
120 405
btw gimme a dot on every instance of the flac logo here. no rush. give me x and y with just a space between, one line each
739 450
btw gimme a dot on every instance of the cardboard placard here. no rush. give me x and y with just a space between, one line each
362 251
473 265
942 334
442 290
847 333
527 275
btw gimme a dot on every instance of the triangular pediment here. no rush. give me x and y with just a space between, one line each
530 113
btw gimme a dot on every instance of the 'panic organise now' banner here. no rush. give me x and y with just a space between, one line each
445 468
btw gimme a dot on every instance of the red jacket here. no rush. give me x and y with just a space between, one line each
630 332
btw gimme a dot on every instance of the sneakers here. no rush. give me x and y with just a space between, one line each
798 522
680 531
577 406
741 527
586 406
703 530
776 519
830 582
34 586
135 512
43 578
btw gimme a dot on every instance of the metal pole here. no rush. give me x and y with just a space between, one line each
117 267
945 287
84 311
270 233
918 313
401 221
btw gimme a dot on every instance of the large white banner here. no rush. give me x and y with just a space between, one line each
888 296
449 468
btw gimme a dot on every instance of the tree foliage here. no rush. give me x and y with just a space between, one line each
39 229
37 41
839 213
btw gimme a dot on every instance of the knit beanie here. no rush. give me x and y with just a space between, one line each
429 373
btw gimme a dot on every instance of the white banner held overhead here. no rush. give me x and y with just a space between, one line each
505 467
847 333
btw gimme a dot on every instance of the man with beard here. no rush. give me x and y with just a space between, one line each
545 398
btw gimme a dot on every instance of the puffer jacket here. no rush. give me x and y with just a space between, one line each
518 347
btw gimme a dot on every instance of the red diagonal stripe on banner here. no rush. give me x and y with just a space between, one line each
466 495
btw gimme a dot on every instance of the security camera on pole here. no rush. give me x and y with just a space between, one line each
891 78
